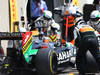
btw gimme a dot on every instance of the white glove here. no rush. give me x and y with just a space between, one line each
69 44
97 34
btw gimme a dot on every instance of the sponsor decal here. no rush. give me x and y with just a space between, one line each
26 55
13 14
76 2
64 56
53 38
10 34
27 41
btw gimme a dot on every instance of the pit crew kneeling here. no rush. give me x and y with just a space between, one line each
85 40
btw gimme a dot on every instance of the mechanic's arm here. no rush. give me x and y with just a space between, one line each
39 18
78 12
50 23
76 32
44 8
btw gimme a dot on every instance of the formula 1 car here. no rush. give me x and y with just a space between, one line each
34 53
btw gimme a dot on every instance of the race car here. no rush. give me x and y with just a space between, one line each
33 53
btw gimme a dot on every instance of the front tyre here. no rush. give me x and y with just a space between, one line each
46 62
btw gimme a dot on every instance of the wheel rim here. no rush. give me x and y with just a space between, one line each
54 63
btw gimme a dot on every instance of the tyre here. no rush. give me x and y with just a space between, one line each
91 65
46 62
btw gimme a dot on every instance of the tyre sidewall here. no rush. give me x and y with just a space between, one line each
44 59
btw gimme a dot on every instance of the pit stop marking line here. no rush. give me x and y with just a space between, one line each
75 73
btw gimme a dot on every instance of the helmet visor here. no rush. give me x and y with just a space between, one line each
54 30
47 18
68 1
95 19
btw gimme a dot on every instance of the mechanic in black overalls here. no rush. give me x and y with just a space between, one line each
85 39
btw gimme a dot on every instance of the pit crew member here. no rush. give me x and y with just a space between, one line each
72 11
45 20
95 21
85 39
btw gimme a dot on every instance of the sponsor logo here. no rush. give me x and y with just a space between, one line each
10 34
27 40
64 56
26 46
53 38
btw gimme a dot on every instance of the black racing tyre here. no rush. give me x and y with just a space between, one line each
46 62
91 65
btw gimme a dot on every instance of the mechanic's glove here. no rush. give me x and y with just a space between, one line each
97 33
68 44
57 44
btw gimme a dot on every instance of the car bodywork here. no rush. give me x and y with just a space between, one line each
29 50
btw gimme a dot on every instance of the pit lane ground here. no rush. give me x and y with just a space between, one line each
69 71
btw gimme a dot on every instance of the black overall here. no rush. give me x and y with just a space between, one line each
87 41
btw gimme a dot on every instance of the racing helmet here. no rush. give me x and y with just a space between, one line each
22 29
47 15
94 17
68 1
79 21
55 27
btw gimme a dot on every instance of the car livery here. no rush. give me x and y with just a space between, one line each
34 52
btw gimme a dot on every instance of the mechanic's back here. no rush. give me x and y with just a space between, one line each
85 40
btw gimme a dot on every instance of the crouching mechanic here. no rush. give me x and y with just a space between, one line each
85 39
45 20
52 32
95 21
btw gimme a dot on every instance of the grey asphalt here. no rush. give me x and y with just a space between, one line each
69 71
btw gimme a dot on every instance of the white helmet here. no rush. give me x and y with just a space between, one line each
94 14
78 21
55 26
95 17
22 29
47 15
